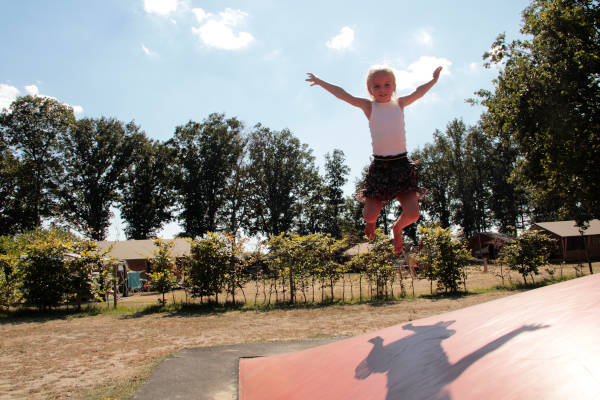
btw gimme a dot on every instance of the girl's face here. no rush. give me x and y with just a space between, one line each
382 86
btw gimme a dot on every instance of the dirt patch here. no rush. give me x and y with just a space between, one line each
65 358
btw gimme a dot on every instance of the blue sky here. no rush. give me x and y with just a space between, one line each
165 62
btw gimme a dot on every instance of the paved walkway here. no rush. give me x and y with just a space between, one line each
211 373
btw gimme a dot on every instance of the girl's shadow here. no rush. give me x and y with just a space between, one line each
417 366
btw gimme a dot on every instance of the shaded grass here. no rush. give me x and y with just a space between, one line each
31 314
26 314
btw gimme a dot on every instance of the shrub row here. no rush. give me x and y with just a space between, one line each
49 269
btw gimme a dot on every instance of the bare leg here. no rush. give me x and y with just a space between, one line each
410 214
370 213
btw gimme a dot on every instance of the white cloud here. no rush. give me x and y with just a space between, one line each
343 40
147 51
420 71
218 30
424 37
200 14
8 94
160 7
32 90
77 109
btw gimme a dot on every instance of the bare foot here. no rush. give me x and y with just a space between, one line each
370 231
398 241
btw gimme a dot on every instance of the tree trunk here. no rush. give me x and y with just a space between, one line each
587 252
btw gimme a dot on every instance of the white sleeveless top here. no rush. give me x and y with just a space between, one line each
388 136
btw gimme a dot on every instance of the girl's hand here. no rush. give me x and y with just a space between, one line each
313 79
436 73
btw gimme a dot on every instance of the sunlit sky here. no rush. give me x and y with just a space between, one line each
165 62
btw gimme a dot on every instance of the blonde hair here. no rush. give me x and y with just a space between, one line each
378 69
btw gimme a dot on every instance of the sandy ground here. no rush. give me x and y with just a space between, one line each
73 357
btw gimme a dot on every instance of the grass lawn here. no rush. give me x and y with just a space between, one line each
105 353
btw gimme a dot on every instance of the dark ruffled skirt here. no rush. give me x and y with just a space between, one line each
389 176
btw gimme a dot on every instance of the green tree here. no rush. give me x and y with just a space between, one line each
378 264
234 213
444 257
236 275
86 270
324 257
13 211
207 153
352 223
311 201
31 129
478 149
162 266
285 257
528 252
336 173
463 206
147 189
508 202
279 166
456 170
96 154
10 273
209 260
45 272
436 175
546 99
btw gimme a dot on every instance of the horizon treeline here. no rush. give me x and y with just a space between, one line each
533 155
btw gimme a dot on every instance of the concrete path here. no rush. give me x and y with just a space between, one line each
211 373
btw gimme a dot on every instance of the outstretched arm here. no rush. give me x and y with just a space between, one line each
421 90
341 94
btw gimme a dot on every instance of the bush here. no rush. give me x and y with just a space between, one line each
49 268
45 272
527 253
162 265
378 264
300 258
443 257
209 260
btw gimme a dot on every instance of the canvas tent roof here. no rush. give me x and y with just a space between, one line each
495 235
357 249
568 228
138 249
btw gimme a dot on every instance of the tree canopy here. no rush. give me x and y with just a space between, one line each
207 153
546 100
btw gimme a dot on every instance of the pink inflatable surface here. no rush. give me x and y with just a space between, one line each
540 344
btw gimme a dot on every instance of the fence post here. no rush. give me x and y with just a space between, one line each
115 285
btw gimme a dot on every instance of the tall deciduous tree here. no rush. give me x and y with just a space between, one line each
478 148
279 166
336 173
546 99
31 130
509 203
147 192
311 201
96 154
12 207
436 175
207 153
463 205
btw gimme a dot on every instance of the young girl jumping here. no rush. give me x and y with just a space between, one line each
391 174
